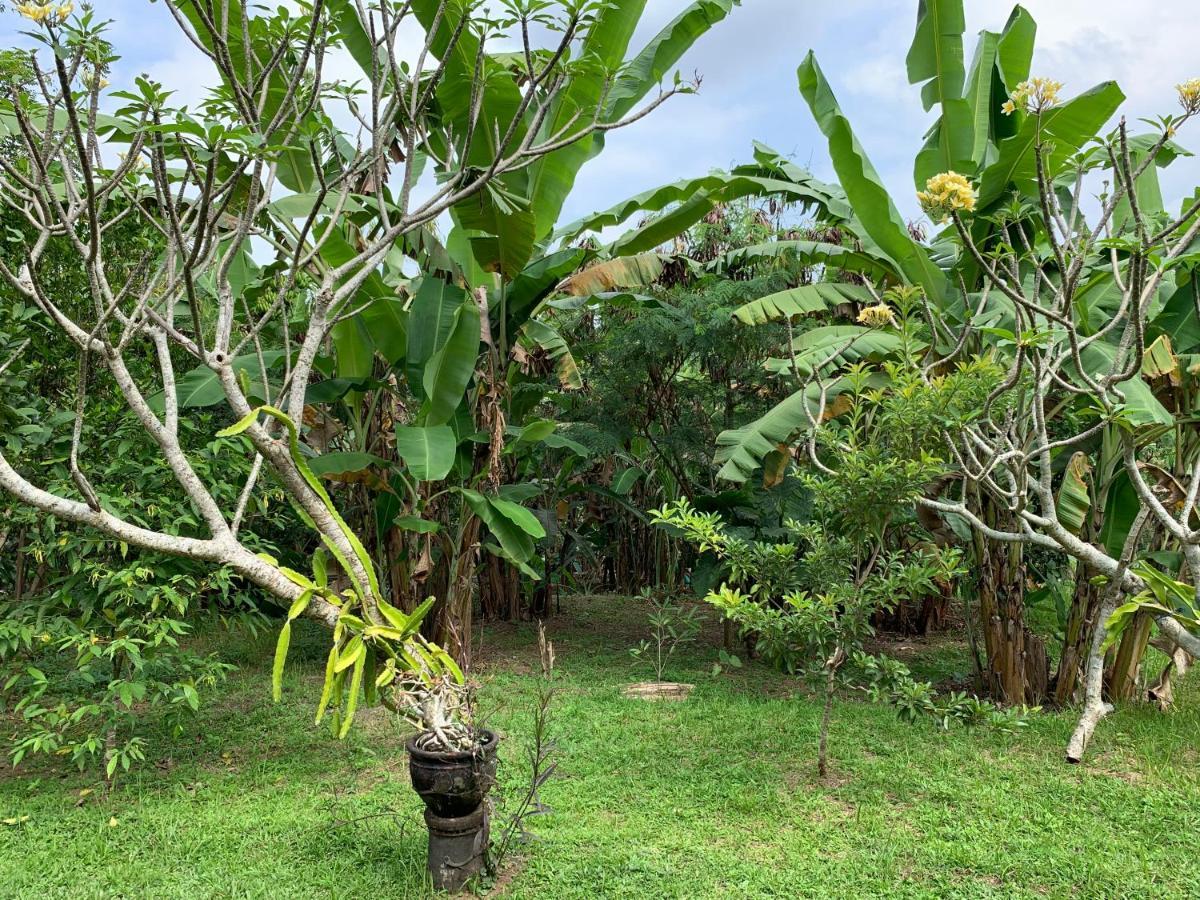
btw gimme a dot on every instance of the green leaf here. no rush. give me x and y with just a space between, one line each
201 387
449 370
1015 51
417 524
320 562
515 540
936 54
690 200
519 516
300 604
581 99
1121 507
428 452
239 426
356 679
800 301
331 465
430 320
508 234
830 346
355 349
537 281
327 687
281 651
535 432
864 190
624 481
809 253
387 322
351 654
655 61
741 450
1141 409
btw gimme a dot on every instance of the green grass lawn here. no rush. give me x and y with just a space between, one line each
714 797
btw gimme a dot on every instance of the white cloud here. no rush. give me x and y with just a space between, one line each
749 92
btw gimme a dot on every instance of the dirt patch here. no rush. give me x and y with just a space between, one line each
512 868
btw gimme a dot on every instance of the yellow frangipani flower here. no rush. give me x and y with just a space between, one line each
65 10
36 12
1189 96
877 316
1033 96
91 79
946 193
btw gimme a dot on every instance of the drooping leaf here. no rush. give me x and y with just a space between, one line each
515 540
614 274
830 346
800 301
538 334
1074 498
809 253
741 450
281 652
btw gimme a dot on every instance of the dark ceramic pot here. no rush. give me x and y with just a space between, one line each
454 787
453 784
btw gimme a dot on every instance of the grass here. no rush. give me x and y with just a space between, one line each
714 797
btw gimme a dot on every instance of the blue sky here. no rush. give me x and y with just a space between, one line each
749 63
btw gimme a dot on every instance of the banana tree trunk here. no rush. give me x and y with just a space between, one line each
500 593
1123 674
1017 665
455 616
1085 605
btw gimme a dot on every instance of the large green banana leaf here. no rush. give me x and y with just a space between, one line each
863 187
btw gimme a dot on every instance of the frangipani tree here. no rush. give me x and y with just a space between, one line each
278 232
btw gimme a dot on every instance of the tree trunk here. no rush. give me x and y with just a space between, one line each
1085 605
500 591
454 621
1017 665
1122 676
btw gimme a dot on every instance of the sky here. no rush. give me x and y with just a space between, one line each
749 92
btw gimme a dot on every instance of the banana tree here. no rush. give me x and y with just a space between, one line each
490 279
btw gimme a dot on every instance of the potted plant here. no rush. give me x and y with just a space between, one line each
452 766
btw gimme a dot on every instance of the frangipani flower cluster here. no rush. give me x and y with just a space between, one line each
1189 96
48 13
946 193
1033 96
877 316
